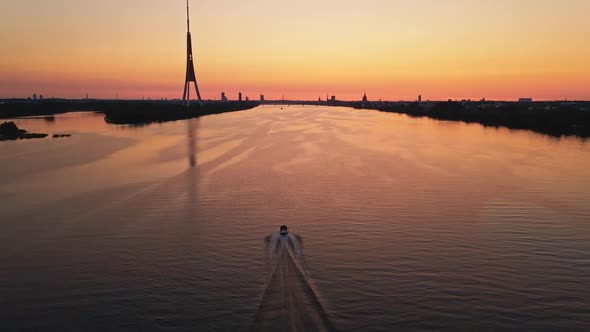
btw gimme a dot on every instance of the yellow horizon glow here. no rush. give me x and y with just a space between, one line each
390 49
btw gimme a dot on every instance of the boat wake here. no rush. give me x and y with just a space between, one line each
290 302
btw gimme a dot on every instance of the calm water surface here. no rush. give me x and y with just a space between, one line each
405 223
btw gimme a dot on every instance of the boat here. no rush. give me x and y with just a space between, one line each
290 301
284 230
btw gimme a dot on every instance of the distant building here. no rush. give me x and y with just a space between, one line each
223 97
262 98
247 99
525 100
333 99
365 98
420 98
34 96
240 96
41 97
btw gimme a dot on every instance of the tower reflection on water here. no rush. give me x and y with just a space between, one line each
191 175
193 125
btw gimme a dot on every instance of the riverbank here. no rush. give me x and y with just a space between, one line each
551 118
148 112
121 111
15 108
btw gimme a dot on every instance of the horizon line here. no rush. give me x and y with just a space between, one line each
298 100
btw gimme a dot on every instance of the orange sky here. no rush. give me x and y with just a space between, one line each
392 49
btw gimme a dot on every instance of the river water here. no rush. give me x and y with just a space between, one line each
404 223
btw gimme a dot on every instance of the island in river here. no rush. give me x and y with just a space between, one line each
9 131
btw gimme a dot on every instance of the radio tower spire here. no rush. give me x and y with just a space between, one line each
190 67
188 18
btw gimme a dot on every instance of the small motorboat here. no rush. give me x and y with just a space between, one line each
284 230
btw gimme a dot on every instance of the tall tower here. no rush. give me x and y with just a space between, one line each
190 67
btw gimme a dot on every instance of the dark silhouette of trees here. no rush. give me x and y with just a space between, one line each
147 112
10 131
123 111
553 118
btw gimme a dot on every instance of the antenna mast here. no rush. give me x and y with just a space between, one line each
188 25
190 67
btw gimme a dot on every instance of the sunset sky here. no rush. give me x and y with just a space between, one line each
392 49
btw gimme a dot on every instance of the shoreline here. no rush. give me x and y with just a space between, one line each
554 118
122 112
138 113
551 118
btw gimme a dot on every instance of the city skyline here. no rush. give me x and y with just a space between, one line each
391 49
